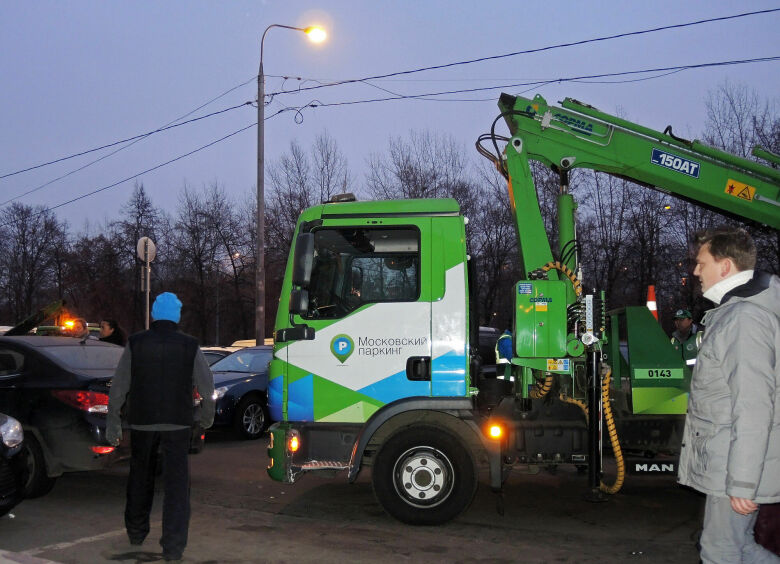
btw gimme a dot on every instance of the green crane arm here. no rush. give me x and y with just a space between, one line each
26 325
579 136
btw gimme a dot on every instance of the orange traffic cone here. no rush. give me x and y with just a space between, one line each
651 305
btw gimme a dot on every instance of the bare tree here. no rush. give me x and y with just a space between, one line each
493 245
738 120
331 170
98 279
607 204
30 235
195 243
426 166
138 218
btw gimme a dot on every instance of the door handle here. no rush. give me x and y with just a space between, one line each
418 368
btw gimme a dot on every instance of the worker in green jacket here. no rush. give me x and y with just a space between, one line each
686 336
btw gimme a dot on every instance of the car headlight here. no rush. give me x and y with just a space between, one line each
11 432
219 392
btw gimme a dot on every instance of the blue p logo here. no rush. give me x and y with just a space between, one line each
342 347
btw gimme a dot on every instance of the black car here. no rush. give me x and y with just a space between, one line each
57 387
12 470
241 390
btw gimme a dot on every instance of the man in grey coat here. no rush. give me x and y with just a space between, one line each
731 443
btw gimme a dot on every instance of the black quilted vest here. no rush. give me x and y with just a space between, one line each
161 383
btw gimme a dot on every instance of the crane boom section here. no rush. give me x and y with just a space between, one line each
580 136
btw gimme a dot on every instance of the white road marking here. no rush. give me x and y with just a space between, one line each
63 545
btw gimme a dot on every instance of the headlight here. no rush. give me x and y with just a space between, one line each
11 432
219 392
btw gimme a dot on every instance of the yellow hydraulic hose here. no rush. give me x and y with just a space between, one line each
611 430
541 389
613 439
578 403
566 272
608 417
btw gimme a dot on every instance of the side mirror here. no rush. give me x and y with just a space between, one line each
303 261
297 333
299 302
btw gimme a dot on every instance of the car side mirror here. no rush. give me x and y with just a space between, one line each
303 260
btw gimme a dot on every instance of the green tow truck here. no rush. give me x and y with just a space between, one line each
373 362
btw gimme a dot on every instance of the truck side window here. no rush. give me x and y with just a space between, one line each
358 266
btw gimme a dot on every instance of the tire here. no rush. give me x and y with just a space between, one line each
251 417
424 476
36 482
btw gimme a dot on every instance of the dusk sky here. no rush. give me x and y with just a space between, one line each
80 74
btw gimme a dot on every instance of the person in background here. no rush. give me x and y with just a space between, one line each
111 332
157 376
81 329
686 336
504 353
731 443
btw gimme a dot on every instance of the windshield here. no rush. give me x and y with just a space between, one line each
85 357
353 267
246 360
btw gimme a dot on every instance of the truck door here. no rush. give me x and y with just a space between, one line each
370 306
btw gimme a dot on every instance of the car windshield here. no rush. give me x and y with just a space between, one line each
84 357
247 360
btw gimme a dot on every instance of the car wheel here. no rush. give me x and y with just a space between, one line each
424 476
36 481
251 417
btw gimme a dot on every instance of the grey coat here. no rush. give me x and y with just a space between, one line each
731 442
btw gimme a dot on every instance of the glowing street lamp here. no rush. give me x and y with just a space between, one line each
316 34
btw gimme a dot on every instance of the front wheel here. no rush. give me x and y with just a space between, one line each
424 476
251 417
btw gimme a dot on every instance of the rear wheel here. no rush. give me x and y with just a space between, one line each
424 476
36 481
251 417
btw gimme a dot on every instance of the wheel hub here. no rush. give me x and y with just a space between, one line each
253 418
423 476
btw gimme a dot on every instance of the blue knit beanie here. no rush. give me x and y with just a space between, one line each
167 307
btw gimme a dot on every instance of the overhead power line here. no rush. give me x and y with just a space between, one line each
530 51
160 165
173 160
376 77
665 70
124 147
134 137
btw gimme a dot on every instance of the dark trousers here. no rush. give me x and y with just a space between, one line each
174 446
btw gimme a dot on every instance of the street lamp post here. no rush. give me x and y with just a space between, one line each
315 34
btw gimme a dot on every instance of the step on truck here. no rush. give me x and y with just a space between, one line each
374 362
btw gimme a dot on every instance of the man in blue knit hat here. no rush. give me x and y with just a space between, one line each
156 378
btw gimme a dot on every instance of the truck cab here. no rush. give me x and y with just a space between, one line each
386 307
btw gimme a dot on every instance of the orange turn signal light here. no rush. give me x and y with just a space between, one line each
495 431
293 444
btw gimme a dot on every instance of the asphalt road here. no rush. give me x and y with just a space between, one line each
240 515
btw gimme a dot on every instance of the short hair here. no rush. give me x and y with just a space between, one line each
729 242
111 323
82 321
